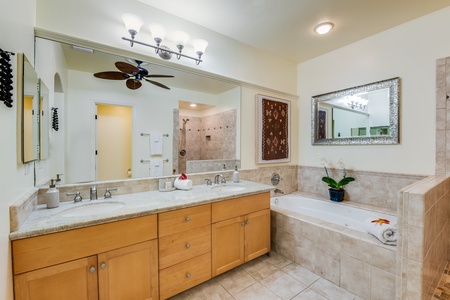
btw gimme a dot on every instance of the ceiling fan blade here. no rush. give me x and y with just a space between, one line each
126 67
112 75
158 84
133 84
160 76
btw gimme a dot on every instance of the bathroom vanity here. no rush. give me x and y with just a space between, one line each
154 246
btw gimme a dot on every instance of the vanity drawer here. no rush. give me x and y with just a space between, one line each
183 276
183 246
180 220
240 206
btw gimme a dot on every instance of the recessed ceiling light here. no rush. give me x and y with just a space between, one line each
193 105
323 28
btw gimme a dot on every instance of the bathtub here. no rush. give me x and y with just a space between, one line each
329 239
338 213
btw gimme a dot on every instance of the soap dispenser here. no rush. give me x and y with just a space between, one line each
235 175
52 195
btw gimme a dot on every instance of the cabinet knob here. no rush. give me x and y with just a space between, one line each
91 269
188 275
188 245
243 224
103 265
188 219
248 222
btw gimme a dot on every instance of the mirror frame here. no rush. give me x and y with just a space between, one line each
394 114
22 64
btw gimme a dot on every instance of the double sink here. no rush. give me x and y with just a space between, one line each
100 208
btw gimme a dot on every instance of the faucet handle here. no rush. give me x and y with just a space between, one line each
208 181
108 192
58 177
223 180
77 197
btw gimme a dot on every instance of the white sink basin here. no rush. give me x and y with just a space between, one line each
228 188
92 209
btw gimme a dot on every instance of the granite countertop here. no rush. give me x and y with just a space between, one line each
44 221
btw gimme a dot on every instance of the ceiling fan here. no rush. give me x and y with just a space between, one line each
133 75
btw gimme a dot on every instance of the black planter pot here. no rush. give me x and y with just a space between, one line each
336 195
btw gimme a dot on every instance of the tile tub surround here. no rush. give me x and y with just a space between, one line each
423 212
372 188
353 260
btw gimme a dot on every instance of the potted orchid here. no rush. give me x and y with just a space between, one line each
337 188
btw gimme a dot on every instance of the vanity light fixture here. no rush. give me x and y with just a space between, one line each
323 28
134 23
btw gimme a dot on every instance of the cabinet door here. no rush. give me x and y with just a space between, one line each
227 245
129 272
257 234
75 280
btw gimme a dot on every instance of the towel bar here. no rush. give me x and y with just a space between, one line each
165 134
148 160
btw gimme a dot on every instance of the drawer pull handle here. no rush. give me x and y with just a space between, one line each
188 246
103 265
188 219
188 275
91 269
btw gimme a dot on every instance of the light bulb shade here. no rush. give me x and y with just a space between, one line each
323 28
180 38
158 31
199 45
132 22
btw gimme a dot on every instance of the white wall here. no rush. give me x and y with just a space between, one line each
408 51
16 35
224 56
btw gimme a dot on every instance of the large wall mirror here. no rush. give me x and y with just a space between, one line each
110 125
28 110
366 114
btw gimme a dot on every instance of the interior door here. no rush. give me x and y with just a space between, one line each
114 142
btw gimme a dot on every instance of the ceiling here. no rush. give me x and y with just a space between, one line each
285 27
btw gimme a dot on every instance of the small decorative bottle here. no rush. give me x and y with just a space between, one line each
52 195
235 175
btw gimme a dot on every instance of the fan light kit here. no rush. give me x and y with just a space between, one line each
134 23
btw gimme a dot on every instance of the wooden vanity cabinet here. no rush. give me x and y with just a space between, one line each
184 249
240 231
117 260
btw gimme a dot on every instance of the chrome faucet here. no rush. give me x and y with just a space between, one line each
93 192
278 191
77 195
216 179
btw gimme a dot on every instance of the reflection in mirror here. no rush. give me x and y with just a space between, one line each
28 110
44 113
155 113
367 114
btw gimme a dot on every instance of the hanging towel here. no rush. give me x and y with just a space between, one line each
156 167
156 143
383 230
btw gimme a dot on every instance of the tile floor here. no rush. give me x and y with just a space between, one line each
273 277
442 292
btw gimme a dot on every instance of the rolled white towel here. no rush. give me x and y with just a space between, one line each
181 184
386 232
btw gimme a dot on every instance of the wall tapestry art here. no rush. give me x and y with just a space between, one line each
273 130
